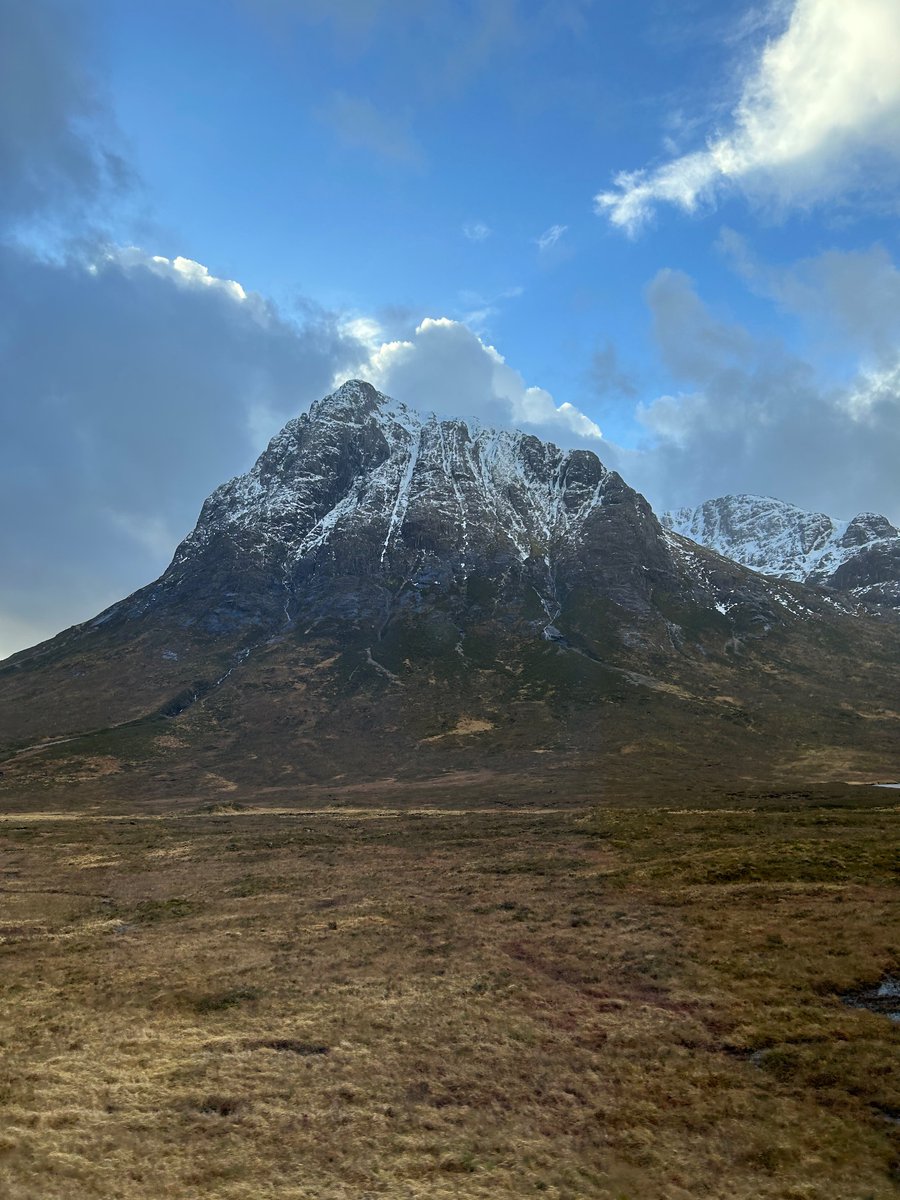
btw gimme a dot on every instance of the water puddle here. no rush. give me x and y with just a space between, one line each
882 998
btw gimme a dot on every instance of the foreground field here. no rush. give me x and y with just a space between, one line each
629 1002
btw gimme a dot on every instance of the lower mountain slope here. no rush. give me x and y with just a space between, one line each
390 598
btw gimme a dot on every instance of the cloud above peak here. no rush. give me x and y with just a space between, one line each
817 117
445 367
165 379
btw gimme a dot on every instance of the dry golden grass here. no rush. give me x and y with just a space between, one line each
632 1002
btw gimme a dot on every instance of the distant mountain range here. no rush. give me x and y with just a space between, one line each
858 559
386 596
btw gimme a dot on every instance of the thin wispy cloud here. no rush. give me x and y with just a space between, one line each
549 238
362 126
817 118
477 309
476 231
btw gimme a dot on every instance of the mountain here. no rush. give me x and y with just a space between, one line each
396 598
859 559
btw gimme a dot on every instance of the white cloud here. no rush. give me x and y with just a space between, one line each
195 273
873 394
550 237
363 329
476 231
185 272
445 367
817 117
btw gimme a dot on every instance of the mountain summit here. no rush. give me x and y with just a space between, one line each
390 595
362 488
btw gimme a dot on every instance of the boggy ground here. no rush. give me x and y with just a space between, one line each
633 1001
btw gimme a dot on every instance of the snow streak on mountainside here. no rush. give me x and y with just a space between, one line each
306 491
860 557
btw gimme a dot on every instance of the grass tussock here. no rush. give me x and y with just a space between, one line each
639 1003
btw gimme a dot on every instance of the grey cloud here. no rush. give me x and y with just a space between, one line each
694 345
131 391
853 294
754 417
453 377
606 375
57 137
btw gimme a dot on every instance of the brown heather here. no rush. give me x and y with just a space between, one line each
468 999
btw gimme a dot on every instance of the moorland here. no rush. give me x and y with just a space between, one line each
449 993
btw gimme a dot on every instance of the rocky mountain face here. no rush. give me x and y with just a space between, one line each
386 595
362 493
859 559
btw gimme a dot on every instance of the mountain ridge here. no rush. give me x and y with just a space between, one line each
390 595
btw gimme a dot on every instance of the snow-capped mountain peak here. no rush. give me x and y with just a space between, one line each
362 461
860 556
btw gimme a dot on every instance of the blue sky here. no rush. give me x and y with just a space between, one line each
343 157
676 224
